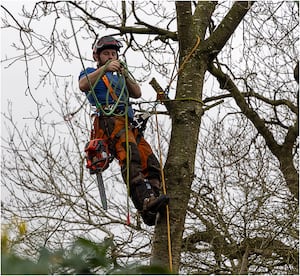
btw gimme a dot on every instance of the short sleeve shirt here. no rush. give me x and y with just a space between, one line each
102 93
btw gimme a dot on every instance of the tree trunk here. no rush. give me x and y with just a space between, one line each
179 167
186 115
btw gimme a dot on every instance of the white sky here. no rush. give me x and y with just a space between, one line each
13 82
13 79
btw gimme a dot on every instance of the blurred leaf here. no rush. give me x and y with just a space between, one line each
22 228
141 270
84 257
11 264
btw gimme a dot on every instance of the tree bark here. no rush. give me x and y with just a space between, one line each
186 118
179 167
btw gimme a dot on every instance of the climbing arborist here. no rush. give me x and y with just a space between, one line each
144 168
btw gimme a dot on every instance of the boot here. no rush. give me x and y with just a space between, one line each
152 207
156 185
147 202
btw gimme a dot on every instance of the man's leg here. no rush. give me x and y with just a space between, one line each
150 165
144 197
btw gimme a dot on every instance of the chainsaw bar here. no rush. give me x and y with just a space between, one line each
102 190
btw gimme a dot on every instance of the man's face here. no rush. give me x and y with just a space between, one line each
107 54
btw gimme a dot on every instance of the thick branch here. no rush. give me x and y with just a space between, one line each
202 16
285 102
254 246
184 23
160 32
293 132
279 102
226 83
160 93
296 72
282 152
149 29
223 32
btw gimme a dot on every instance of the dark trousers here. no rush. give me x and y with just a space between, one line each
143 164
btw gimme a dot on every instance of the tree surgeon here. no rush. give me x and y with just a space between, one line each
111 85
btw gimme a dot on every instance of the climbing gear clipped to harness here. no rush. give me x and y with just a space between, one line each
98 156
140 121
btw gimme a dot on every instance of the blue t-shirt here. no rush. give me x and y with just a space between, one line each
102 93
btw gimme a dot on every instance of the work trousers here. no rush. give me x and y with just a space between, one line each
143 164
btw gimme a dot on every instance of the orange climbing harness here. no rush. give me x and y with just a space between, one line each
109 87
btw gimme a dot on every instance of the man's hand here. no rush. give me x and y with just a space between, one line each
124 72
113 66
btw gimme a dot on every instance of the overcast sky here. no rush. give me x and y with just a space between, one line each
13 79
13 84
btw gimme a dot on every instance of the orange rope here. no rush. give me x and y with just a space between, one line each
185 60
165 192
160 156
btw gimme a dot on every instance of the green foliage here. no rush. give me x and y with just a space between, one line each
84 257
12 264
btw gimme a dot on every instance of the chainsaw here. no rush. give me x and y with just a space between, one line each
98 158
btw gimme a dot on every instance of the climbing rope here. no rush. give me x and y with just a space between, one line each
123 98
127 166
121 82
184 62
165 192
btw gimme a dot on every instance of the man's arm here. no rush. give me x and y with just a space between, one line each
133 88
84 85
